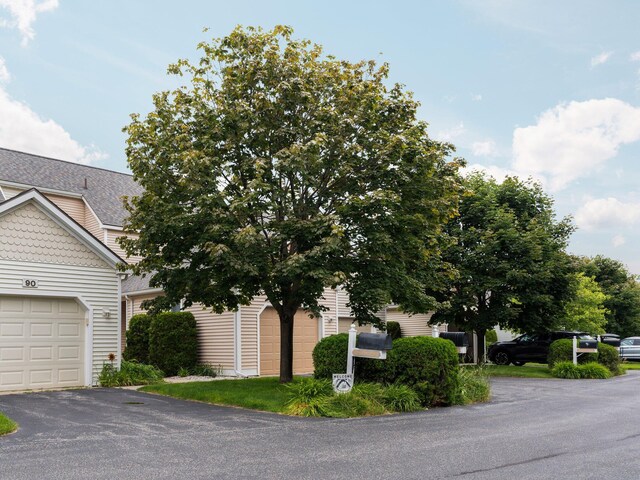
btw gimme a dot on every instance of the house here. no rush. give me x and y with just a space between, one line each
59 222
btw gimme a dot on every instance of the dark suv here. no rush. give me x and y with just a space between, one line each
527 348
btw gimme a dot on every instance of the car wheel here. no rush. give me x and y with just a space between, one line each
501 358
519 364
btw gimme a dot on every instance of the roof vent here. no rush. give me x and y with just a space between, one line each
85 183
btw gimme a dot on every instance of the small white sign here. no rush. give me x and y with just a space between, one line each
342 382
29 283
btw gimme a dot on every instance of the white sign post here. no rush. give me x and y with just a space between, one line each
575 350
351 346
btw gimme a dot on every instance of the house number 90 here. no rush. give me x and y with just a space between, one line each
30 283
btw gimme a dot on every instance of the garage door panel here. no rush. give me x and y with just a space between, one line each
41 329
11 330
11 354
41 343
40 353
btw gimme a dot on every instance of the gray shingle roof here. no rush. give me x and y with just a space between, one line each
135 283
104 187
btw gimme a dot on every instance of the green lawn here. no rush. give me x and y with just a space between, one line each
256 393
631 365
7 425
529 370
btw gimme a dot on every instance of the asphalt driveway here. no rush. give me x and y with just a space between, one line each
532 429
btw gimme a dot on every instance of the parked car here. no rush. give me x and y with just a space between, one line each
610 339
528 347
630 348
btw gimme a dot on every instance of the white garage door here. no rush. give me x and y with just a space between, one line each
41 343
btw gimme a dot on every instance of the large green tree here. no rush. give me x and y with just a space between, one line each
623 294
585 312
280 170
508 248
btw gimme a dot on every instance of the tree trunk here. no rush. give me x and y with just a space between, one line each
286 346
480 345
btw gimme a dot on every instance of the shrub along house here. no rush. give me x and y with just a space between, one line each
58 227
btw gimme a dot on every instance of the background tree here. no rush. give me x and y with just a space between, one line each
623 294
509 251
283 171
585 311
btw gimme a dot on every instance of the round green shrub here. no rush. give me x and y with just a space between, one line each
137 335
394 330
594 370
330 355
428 365
562 351
173 342
491 337
566 369
609 357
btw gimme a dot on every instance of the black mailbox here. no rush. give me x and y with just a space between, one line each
459 339
584 343
374 341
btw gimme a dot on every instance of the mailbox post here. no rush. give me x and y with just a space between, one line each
367 345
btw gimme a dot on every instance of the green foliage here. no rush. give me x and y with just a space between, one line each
183 372
609 357
562 351
491 337
427 365
393 330
623 294
204 370
509 250
585 312
474 386
566 369
330 355
401 398
7 425
329 178
594 370
138 339
130 373
315 398
173 341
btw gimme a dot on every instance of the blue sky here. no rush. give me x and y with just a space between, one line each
535 88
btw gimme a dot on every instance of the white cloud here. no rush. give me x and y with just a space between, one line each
618 241
476 97
4 73
484 149
609 212
23 13
600 59
572 140
635 56
23 129
450 134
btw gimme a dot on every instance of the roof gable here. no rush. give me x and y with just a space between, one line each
32 215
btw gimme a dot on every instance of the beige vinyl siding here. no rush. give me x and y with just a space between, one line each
249 334
10 192
92 224
343 299
135 302
215 337
411 325
110 236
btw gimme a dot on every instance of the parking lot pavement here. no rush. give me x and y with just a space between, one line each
532 428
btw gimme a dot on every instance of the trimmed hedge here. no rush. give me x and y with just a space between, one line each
562 351
428 365
491 337
138 339
394 330
590 370
173 342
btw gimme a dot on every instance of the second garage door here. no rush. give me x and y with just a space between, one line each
41 343
305 337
